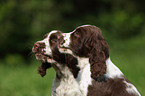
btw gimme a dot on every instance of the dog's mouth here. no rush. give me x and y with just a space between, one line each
43 57
46 60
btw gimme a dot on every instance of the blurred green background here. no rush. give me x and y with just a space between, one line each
23 22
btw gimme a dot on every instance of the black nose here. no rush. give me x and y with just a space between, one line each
38 47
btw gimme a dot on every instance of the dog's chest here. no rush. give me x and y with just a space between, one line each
70 86
65 87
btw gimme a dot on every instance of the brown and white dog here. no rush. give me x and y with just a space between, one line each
82 63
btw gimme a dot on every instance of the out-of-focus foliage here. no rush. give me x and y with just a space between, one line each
23 22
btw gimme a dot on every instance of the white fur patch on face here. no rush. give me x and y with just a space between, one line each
112 70
64 50
46 41
131 89
66 37
47 47
47 50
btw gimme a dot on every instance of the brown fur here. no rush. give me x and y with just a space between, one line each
113 87
42 68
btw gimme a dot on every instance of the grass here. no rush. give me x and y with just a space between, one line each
23 80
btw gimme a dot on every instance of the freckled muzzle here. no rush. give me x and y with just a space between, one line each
65 42
38 47
38 50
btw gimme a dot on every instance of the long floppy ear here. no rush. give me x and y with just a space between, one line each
42 68
97 57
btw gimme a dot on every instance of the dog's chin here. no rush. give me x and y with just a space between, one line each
46 62
43 58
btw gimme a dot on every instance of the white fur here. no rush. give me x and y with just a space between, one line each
131 88
84 76
51 61
67 39
66 85
112 70
63 50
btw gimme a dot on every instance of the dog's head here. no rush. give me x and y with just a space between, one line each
42 50
87 41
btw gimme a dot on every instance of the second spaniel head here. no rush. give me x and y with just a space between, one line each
87 41
47 51
43 52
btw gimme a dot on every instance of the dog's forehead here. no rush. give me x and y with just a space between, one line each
46 37
50 33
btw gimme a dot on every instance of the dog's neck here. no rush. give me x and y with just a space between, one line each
84 77
112 70
65 83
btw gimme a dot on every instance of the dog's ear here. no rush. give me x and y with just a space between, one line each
98 56
42 68
98 66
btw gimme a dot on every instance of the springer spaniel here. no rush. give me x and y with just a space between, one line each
87 44
82 63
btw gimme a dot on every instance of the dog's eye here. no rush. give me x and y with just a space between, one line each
53 41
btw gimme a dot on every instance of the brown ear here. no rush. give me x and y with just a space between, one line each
98 66
97 58
42 68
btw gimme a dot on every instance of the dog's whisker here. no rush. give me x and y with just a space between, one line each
30 54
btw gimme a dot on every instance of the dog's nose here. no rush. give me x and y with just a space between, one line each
38 47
